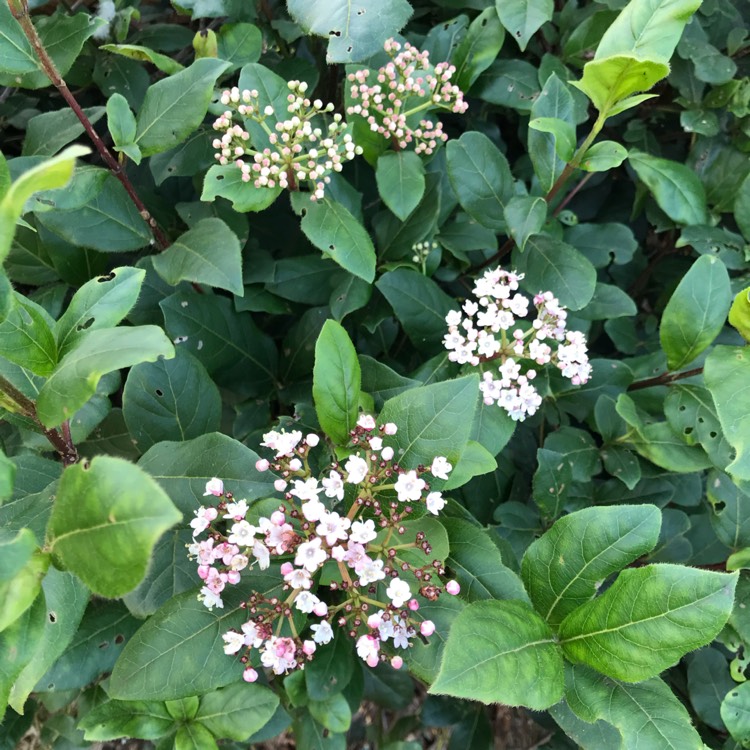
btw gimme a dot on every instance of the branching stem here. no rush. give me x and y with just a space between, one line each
664 379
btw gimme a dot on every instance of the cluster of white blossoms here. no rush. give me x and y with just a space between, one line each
406 86
300 151
346 568
493 328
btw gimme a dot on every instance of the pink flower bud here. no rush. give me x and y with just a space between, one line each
278 518
413 605
427 628
262 464
373 660
203 571
397 662
312 439
452 587
390 428
295 464
249 675
286 568
233 577
321 609
373 621
387 453
279 485
214 487
308 647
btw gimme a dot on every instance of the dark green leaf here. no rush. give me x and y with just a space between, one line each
400 178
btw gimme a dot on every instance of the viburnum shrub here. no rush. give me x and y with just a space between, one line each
374 374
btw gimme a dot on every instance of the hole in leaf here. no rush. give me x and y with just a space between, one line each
719 506
106 277
349 48
712 434
484 22
332 247
52 617
104 644
219 177
87 324
51 686
688 430
682 407
334 32
362 11
119 638
159 392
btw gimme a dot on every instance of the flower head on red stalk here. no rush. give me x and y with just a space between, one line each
374 589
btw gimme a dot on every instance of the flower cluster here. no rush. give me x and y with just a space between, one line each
490 329
300 151
406 87
363 570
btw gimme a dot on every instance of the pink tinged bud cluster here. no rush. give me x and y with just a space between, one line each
300 150
405 87
375 598
493 327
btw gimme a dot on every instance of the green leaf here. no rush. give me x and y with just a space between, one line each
622 464
611 81
170 399
524 216
696 311
648 619
53 173
562 569
742 207
332 668
208 253
239 44
75 379
337 381
100 303
226 182
419 304
478 48
400 179
549 264
174 107
433 420
551 483
22 567
676 188
563 130
333 713
523 18
493 427
647 715
16 52
105 522
647 28
194 736
27 339
47 133
727 374
480 177
735 712
7 477
739 313
603 156
501 652
332 229
708 683
355 31
478 564
144 54
122 126
238 711
475 461
146 720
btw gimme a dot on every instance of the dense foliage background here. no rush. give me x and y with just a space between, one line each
158 315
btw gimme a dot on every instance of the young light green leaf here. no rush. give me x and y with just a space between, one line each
727 375
501 652
226 182
562 569
22 567
647 714
564 132
433 420
648 619
100 303
333 229
742 207
739 313
478 49
337 381
146 720
174 107
26 337
137 52
400 179
237 711
75 379
523 18
355 31
193 736
106 519
121 123
603 156
53 173
696 311
208 253
481 178
676 188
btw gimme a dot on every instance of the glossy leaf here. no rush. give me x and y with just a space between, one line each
146 720
107 518
501 652
603 156
138 52
26 338
22 567
739 313
478 48
735 712
237 711
562 569
400 179
336 382
616 632
522 18
226 182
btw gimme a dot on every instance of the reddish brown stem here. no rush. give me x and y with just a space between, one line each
664 379
19 10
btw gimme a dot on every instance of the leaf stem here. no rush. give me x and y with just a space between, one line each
62 443
664 379
20 11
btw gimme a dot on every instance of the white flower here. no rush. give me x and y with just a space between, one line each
367 649
298 578
376 443
242 534
210 599
202 520
322 632
435 502
356 469
409 487
251 634
214 487
233 642
307 490
262 555
440 467
370 571
334 485
305 602
366 422
313 510
283 443
310 555
398 592
236 510
333 527
363 531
